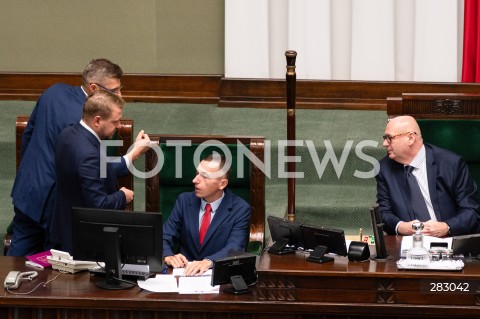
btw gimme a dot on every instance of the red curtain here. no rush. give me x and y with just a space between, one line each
471 42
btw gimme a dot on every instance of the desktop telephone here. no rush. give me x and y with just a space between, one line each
13 279
63 261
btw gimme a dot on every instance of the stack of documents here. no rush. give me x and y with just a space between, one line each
185 285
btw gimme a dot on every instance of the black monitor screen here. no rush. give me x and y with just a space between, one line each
286 235
466 244
332 239
115 237
239 271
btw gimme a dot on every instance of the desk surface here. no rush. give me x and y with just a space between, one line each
296 265
288 287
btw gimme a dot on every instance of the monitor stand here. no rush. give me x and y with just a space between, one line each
317 255
113 275
280 248
239 286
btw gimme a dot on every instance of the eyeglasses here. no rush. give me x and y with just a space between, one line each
389 138
114 91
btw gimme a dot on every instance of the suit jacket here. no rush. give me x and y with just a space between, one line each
228 230
452 192
59 106
77 160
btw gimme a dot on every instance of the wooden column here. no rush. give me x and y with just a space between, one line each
291 79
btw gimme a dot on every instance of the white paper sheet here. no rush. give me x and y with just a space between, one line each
196 285
160 283
178 272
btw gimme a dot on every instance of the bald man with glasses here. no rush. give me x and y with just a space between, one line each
33 193
422 182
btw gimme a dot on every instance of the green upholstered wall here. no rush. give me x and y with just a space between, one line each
143 36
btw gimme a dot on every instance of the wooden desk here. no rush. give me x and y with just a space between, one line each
289 287
372 287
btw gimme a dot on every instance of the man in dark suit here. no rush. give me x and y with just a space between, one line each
81 179
208 223
444 184
33 193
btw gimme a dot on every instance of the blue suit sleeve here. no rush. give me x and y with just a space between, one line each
93 187
121 168
467 219
27 134
389 217
172 228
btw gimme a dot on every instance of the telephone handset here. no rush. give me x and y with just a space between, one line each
13 279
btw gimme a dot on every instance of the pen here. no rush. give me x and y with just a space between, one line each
164 271
33 264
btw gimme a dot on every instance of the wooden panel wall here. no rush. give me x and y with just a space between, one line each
228 92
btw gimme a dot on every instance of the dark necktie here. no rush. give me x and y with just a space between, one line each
419 206
205 223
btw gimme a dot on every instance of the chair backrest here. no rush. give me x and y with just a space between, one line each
125 133
450 121
162 189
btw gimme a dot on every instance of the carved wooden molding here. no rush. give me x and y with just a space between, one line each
229 92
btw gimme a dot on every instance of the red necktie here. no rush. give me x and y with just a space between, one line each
205 223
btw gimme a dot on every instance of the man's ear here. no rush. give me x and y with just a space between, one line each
223 183
97 120
92 87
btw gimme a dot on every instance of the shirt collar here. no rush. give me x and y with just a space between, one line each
213 204
420 159
81 86
90 130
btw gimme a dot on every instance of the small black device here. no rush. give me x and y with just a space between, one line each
358 251
332 240
377 225
117 237
286 235
238 271
317 255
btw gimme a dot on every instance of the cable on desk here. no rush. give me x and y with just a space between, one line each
40 284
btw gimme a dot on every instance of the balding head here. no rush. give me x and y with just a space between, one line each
404 123
403 139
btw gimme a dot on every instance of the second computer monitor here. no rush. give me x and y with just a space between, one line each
286 235
323 240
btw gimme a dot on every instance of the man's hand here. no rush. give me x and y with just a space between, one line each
435 229
197 268
177 261
405 228
142 144
128 194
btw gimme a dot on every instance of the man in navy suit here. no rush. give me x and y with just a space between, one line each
33 193
443 178
229 221
81 179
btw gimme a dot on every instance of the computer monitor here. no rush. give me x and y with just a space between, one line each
286 235
468 245
115 236
239 271
323 240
